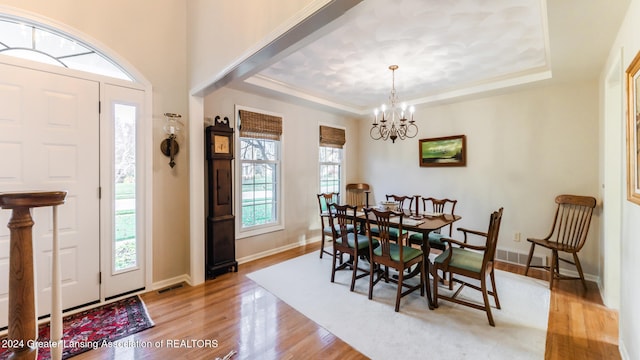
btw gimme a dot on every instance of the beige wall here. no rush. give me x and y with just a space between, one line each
300 165
523 149
629 316
222 33
150 35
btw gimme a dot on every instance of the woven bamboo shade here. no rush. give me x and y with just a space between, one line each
332 137
260 126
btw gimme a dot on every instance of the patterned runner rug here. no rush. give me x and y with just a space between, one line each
94 328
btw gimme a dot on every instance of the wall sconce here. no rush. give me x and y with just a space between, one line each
169 146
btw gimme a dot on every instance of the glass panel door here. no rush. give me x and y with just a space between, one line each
125 255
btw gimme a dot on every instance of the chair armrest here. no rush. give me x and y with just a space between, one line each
473 232
462 244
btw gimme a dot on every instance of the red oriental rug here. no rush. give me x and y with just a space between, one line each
94 328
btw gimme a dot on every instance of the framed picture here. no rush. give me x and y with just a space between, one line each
443 151
633 126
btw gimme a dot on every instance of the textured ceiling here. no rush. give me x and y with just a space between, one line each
444 49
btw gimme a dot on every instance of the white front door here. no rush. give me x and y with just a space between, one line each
49 140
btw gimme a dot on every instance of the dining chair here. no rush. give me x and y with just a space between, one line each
354 244
568 234
473 262
324 199
402 201
358 195
391 254
435 206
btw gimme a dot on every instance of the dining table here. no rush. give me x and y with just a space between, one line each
424 224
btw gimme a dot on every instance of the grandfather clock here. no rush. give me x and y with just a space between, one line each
220 247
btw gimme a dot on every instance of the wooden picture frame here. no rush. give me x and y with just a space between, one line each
443 151
633 128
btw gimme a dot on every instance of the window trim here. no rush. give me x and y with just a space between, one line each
280 223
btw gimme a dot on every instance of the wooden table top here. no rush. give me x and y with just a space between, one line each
28 199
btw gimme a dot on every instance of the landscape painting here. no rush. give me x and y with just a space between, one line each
443 151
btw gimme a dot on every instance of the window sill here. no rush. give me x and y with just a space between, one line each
259 231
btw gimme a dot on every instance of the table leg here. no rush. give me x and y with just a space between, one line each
426 249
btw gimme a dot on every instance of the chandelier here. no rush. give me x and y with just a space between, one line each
393 123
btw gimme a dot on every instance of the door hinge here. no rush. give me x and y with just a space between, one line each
99 192
99 107
100 277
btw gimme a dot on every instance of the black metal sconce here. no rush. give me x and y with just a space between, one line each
169 146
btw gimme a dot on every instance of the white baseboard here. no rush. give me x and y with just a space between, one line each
624 354
277 250
172 281
187 279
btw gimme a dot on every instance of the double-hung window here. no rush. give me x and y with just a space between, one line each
332 141
260 169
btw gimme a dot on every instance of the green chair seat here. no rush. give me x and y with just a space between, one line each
435 239
393 232
408 253
363 241
462 259
327 229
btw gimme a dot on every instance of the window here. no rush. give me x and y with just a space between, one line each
125 244
36 43
330 164
260 160
260 167
331 142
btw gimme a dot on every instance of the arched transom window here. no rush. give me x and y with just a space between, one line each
37 43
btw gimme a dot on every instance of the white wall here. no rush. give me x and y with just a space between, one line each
300 165
629 314
523 149
151 36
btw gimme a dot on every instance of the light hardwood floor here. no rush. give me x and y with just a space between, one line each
241 316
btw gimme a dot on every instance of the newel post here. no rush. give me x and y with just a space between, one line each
23 330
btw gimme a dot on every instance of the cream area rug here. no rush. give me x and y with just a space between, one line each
449 332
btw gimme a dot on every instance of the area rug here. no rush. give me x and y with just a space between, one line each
451 331
94 328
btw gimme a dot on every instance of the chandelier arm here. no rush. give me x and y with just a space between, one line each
375 137
415 130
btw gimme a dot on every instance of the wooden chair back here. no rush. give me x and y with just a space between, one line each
340 217
492 237
383 221
402 201
444 206
571 221
357 195
324 199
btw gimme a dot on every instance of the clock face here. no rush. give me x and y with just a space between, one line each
221 144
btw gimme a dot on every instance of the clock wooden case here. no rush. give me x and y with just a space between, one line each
220 246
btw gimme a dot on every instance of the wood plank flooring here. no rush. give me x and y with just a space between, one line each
231 312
